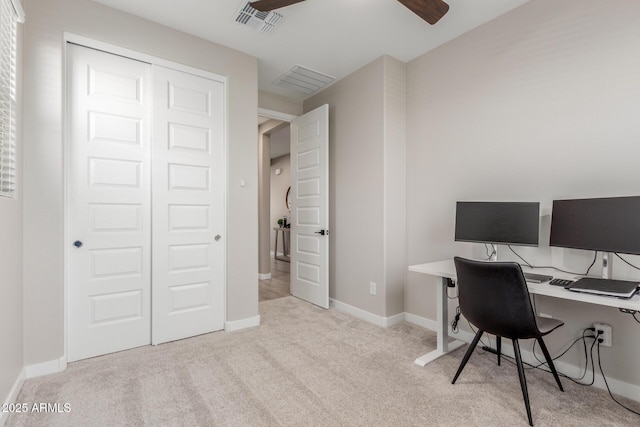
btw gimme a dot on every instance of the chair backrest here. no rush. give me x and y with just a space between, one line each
494 297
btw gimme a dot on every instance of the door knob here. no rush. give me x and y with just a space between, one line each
218 237
323 232
77 244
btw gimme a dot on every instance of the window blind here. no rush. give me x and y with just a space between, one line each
10 13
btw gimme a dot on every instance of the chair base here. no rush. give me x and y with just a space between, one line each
519 364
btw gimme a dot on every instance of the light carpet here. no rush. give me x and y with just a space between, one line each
305 366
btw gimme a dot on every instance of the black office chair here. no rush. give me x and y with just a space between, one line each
494 297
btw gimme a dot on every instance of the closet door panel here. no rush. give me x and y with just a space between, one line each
188 205
108 203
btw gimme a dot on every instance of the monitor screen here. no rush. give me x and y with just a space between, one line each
607 224
515 223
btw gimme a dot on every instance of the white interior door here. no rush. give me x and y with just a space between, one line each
188 209
310 207
108 208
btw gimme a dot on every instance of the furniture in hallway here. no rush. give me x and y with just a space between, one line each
285 255
494 298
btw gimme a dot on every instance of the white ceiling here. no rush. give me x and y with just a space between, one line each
335 37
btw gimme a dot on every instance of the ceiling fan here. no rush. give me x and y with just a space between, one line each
429 10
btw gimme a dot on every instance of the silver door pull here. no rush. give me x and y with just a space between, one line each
218 237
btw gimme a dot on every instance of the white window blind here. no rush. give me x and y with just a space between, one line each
10 13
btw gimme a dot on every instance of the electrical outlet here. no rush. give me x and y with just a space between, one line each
605 335
372 288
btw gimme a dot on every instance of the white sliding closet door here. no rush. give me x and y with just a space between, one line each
109 203
188 209
145 204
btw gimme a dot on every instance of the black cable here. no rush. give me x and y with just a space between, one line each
627 262
454 322
487 253
586 362
607 385
552 267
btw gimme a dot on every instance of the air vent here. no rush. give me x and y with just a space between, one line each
304 79
262 22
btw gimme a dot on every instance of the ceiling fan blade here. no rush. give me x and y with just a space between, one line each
269 5
429 10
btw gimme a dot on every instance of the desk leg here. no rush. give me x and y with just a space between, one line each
444 346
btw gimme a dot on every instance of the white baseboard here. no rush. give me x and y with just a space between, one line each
13 395
236 325
46 368
384 322
265 276
621 388
421 321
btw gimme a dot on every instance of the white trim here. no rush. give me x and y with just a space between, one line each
277 115
13 395
17 6
46 368
236 325
383 322
143 57
265 276
421 321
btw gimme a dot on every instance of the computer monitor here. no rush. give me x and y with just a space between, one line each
609 224
510 223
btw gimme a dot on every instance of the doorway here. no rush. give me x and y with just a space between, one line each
275 179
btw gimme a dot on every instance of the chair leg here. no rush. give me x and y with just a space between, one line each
549 362
498 347
467 355
523 380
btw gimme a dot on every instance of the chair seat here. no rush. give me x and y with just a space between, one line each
546 325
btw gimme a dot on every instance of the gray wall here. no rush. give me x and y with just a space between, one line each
280 104
540 104
366 182
11 306
43 155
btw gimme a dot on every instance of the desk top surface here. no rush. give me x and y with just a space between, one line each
447 269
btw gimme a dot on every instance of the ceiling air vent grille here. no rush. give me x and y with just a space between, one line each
262 22
304 79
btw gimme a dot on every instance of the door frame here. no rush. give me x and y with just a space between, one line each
69 37
283 117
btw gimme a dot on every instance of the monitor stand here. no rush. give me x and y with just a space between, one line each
607 265
494 253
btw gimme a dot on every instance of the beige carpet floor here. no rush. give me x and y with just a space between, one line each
305 366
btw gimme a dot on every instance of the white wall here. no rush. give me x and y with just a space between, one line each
11 306
279 185
541 103
47 20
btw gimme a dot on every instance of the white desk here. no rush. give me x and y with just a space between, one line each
446 270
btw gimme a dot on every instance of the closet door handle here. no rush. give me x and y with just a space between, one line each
218 237
77 244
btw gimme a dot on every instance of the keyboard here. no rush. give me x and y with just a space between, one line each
561 282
